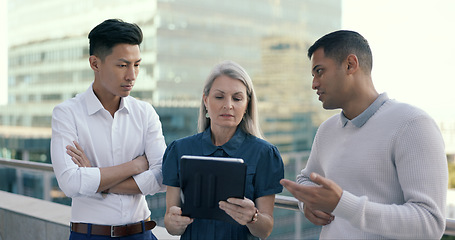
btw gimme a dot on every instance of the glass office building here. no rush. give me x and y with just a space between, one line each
183 39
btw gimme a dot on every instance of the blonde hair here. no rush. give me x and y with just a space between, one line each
250 121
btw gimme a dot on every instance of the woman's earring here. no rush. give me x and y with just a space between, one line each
207 115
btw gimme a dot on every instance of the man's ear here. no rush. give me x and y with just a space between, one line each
94 62
352 63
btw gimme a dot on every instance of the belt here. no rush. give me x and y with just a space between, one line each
113 231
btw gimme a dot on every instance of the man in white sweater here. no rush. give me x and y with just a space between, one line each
377 170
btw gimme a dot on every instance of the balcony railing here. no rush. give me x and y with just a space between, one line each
281 201
292 204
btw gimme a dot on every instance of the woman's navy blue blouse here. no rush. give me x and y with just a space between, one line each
264 172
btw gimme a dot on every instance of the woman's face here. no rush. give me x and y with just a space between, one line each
226 103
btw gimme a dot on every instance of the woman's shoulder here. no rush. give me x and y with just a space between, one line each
252 141
188 140
182 146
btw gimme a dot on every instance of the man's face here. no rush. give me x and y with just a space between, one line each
328 80
118 71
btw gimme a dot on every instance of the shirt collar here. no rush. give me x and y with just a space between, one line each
360 120
94 104
124 106
230 147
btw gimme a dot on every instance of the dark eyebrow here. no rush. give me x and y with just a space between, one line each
128 62
314 68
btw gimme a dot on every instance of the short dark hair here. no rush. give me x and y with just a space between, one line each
111 32
339 44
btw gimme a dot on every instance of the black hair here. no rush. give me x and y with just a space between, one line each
111 32
339 44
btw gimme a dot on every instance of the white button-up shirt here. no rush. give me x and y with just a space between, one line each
134 130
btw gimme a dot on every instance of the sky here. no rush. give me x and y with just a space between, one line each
413 45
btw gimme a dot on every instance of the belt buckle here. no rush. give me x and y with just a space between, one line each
113 232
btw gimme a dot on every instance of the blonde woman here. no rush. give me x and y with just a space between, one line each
228 127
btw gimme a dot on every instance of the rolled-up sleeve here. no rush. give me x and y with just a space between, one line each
151 181
73 180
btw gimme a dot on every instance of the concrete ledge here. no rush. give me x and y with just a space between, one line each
23 217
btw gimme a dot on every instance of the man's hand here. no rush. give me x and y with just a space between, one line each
324 197
141 163
317 217
77 155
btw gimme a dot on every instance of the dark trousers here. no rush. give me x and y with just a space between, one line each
147 235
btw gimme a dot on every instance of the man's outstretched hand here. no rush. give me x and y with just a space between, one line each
319 201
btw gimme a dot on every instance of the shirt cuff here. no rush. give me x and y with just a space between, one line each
91 180
150 182
348 204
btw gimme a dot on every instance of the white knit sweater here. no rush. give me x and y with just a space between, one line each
393 172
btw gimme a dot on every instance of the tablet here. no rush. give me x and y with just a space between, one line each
205 181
